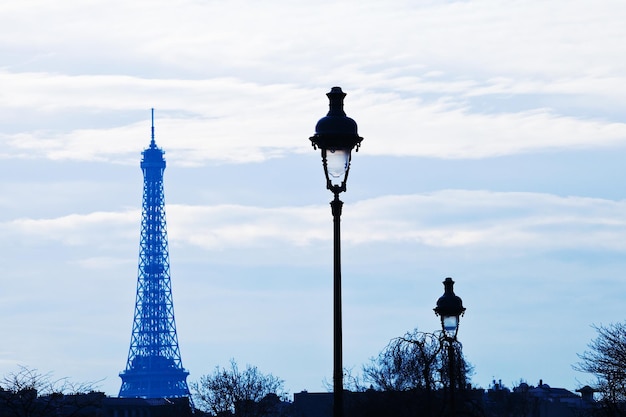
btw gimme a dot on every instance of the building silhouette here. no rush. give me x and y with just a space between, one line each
497 401
154 367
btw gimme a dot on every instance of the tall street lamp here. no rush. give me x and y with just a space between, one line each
336 135
450 309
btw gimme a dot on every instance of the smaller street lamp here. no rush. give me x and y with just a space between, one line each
336 135
450 309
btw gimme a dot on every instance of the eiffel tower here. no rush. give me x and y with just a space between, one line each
154 368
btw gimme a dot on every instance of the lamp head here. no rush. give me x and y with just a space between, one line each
449 308
336 135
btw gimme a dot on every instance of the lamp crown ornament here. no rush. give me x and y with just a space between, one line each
336 130
449 304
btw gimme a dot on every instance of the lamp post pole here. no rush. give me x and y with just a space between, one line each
451 377
336 206
336 135
450 309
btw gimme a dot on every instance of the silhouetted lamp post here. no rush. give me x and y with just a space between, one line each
336 135
450 309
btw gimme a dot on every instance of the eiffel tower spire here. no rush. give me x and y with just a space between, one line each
154 368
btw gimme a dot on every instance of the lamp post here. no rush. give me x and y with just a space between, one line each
450 309
336 135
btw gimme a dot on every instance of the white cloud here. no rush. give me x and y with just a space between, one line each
241 82
483 219
510 37
449 131
469 219
234 121
96 230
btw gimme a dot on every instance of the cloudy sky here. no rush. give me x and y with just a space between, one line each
493 153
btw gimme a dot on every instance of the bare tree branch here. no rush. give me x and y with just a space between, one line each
220 392
606 360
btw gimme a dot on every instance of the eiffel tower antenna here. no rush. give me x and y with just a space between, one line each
152 143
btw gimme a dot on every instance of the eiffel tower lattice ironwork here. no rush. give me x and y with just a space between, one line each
154 367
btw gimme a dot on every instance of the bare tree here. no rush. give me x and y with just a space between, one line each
606 359
248 392
416 360
408 378
29 393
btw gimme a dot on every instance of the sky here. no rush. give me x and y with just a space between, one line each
493 153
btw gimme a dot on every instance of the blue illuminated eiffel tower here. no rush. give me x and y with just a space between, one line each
154 368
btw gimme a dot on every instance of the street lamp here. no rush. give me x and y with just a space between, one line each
450 309
336 135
